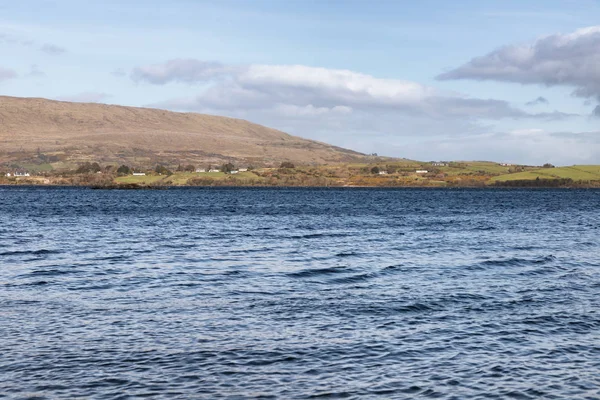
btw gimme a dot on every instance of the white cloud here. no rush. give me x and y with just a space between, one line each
569 60
232 88
179 70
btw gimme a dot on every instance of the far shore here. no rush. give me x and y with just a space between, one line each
524 185
476 174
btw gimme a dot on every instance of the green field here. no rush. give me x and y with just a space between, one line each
575 172
37 167
181 178
487 167
142 180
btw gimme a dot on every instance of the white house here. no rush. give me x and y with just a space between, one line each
421 171
383 173
234 171
22 174
243 169
8 174
139 174
200 170
213 170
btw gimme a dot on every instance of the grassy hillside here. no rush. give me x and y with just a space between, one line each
183 178
40 131
575 172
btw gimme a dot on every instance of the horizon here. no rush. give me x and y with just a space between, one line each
392 79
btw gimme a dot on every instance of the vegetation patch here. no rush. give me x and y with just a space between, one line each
575 173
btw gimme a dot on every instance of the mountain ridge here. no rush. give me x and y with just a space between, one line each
114 133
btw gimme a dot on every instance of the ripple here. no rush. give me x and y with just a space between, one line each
40 252
299 293
312 272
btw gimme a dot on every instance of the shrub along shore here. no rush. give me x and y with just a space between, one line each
405 174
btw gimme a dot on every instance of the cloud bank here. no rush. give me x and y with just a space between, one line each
303 90
570 60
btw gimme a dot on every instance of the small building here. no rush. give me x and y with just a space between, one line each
439 164
200 170
383 173
139 174
8 174
21 174
214 170
243 169
506 164
235 171
421 171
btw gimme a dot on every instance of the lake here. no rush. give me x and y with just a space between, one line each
299 293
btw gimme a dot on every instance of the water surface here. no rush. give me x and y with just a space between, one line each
299 293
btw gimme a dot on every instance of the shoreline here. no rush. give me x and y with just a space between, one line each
171 187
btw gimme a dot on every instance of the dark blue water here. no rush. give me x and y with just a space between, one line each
299 293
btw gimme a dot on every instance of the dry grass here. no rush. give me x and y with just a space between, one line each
84 131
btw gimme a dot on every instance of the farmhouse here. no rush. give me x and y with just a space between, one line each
421 171
200 170
139 174
213 170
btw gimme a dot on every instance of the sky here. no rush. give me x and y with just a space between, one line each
499 80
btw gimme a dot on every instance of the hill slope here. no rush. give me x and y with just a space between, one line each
575 172
109 133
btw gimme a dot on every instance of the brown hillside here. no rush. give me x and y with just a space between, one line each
109 133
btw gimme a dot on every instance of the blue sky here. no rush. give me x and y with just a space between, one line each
430 80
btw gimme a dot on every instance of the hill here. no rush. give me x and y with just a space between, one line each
575 172
37 129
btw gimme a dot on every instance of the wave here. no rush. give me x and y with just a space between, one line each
40 252
516 261
317 235
307 273
353 278
344 254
